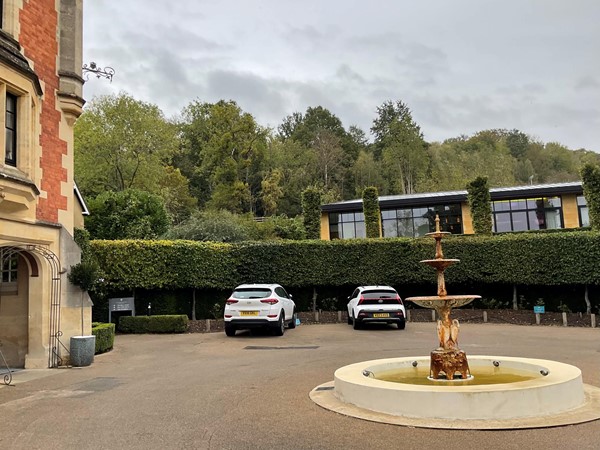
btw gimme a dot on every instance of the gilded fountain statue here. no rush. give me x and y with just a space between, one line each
447 360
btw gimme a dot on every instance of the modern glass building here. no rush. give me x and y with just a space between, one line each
519 208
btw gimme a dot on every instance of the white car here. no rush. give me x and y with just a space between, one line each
376 304
259 306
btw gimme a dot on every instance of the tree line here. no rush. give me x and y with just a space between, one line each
214 166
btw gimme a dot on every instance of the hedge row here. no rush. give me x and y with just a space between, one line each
105 336
553 259
153 324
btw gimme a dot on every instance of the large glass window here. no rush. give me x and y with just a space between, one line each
348 225
414 222
584 212
527 214
10 156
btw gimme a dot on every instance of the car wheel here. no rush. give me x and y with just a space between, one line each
280 325
229 330
401 325
292 324
355 323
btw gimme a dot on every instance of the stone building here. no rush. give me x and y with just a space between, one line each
41 91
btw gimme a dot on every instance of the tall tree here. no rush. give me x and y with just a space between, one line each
222 155
400 142
128 214
122 143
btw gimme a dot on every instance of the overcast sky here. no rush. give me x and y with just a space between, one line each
461 65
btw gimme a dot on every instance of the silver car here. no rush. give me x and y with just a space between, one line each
259 306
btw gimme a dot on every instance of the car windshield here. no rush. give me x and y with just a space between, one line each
379 294
251 293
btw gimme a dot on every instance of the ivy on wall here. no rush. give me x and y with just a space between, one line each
478 196
371 212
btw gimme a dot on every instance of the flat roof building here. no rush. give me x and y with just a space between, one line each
517 208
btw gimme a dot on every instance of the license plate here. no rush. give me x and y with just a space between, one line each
248 313
381 315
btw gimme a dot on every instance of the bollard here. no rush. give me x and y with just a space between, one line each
485 317
317 316
339 316
593 320
564 317
408 315
537 318
208 325
433 315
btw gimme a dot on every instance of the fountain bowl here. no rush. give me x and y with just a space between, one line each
436 301
553 395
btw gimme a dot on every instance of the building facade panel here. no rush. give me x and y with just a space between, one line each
40 67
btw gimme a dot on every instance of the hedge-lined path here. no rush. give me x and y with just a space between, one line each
208 391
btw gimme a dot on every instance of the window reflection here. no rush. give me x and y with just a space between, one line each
348 225
414 222
527 214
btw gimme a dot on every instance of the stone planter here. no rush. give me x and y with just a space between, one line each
82 350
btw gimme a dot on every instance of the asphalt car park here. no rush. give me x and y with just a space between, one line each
208 391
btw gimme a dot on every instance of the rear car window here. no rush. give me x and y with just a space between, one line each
251 293
379 294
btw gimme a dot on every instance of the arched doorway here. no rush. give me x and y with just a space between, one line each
28 293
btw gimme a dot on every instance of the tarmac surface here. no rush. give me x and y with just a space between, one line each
208 391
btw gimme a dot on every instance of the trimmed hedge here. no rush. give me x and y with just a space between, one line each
478 196
311 210
105 336
153 324
552 259
371 212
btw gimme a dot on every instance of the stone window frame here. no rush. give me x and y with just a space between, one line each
27 105
9 272
11 102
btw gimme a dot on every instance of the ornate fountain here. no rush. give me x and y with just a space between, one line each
502 392
447 359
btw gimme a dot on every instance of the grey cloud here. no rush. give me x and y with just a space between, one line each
587 83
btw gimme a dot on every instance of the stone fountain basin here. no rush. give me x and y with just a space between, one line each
560 391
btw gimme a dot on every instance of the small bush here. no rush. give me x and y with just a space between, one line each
105 336
153 324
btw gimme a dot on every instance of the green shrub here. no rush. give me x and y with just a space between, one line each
213 226
478 196
153 324
105 336
590 176
311 211
371 212
129 214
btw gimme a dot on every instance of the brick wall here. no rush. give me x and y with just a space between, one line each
38 37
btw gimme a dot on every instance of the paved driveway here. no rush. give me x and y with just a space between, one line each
208 391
